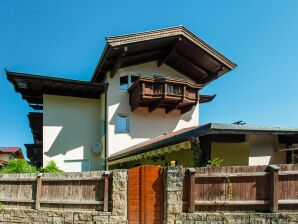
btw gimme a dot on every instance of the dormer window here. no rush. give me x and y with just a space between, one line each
126 81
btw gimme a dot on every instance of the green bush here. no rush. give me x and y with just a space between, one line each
215 162
18 166
51 167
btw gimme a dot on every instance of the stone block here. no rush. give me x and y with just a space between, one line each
196 216
236 218
82 216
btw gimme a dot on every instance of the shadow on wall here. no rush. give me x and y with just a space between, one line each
70 130
149 125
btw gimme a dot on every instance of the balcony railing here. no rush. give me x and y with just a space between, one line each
167 93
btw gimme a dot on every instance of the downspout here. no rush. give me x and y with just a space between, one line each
105 128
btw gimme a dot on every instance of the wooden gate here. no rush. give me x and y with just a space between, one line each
145 195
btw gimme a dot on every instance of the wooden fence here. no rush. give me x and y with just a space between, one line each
246 188
86 190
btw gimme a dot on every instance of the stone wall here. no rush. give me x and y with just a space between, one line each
118 209
174 208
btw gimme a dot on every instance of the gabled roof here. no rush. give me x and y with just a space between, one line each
286 135
12 150
32 87
9 149
177 47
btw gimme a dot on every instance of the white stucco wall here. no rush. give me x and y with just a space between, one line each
71 126
263 150
143 125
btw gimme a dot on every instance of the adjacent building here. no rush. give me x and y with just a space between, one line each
9 153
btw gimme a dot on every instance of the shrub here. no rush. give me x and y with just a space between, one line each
18 166
51 167
215 162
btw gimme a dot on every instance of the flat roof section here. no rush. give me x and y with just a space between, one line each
285 135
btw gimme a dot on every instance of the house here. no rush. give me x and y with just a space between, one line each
9 153
237 145
144 85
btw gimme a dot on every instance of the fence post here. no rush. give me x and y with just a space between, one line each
274 188
106 191
38 191
191 190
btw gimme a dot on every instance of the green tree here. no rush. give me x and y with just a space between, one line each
18 166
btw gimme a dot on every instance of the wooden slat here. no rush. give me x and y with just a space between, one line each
17 179
255 174
250 202
48 179
284 173
16 200
287 202
72 202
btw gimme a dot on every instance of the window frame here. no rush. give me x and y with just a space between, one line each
129 82
127 123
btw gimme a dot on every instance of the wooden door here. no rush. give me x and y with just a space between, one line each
145 195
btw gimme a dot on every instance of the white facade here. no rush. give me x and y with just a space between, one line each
71 126
143 125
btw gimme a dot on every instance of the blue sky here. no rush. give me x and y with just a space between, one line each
65 39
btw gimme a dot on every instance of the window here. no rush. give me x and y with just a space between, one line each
124 82
127 81
122 124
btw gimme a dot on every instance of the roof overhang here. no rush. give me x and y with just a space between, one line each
206 98
285 135
36 124
32 87
176 47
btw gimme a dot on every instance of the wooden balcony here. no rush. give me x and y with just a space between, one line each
168 93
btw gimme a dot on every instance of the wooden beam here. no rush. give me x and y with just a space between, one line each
191 190
212 75
155 105
274 188
190 64
38 191
118 62
163 60
172 107
106 192
186 108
